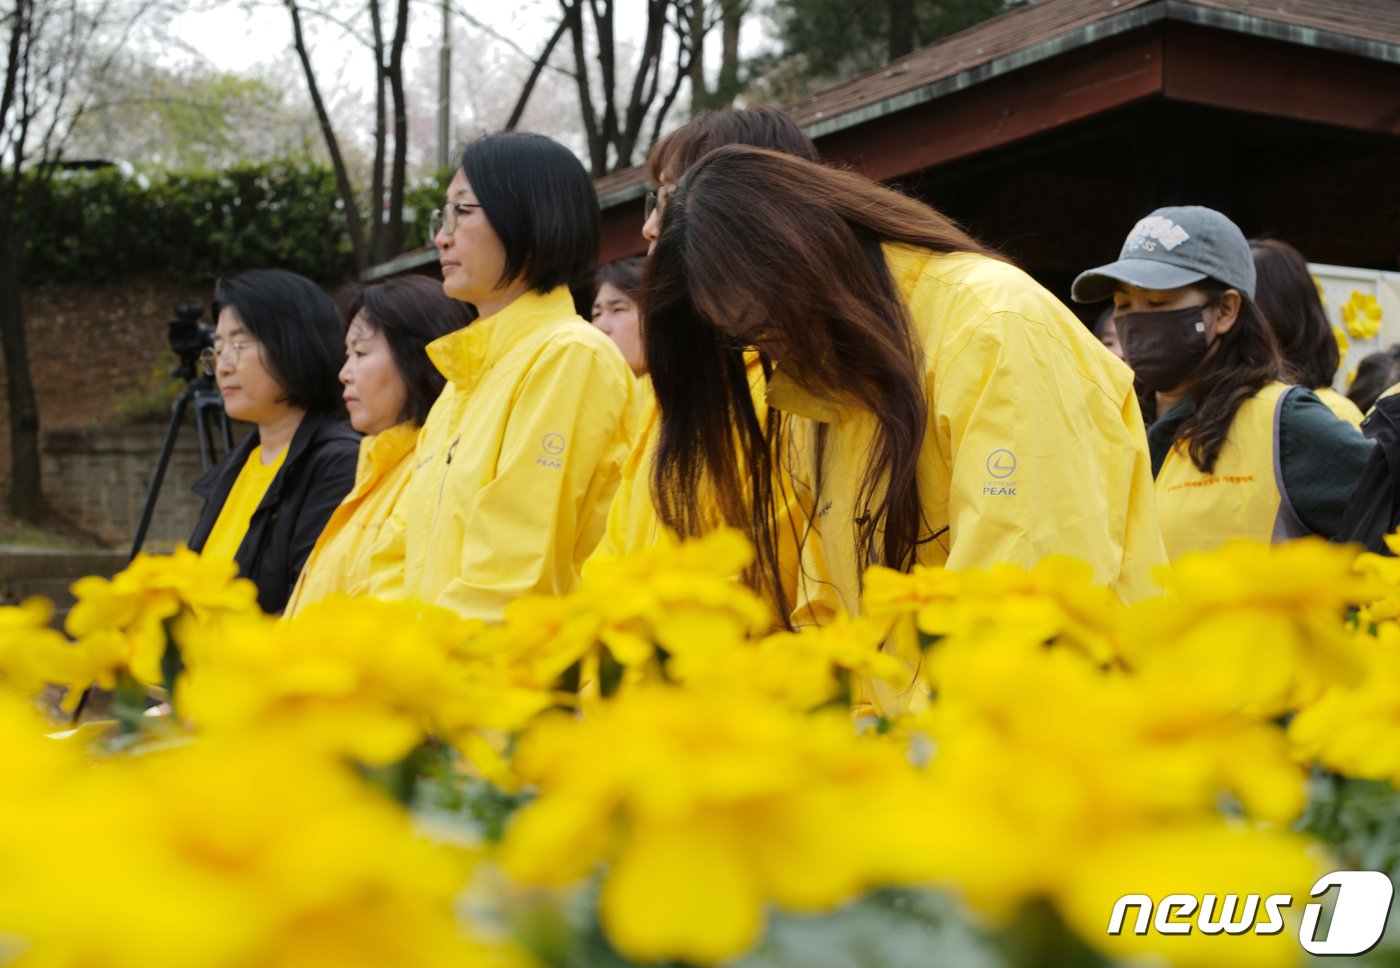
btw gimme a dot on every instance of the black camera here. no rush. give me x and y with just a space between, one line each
188 339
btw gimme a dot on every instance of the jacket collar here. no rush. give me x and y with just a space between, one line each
314 426
380 453
785 393
467 355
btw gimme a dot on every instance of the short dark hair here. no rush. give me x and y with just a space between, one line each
1376 373
762 127
411 312
300 331
541 204
625 275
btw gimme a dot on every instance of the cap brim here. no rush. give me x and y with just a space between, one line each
1097 285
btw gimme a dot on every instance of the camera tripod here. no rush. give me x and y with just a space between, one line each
188 340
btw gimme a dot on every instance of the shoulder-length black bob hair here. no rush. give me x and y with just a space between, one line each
541 204
300 331
410 312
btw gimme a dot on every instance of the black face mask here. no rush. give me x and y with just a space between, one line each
1163 348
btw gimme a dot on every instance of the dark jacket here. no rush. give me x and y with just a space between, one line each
1374 510
318 471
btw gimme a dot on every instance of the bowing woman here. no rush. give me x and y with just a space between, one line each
940 407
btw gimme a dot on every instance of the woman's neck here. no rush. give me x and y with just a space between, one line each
1165 401
499 299
275 435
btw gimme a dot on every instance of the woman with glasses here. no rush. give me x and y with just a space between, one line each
1236 452
277 347
520 455
939 407
390 384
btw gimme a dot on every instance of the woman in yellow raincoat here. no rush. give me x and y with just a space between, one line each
521 454
945 408
389 386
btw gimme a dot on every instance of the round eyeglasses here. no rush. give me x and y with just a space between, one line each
446 219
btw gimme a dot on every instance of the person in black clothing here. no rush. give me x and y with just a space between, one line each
277 351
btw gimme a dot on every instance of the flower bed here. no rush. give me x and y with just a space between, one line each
980 770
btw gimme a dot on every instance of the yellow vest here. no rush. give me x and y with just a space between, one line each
340 562
1340 405
1243 497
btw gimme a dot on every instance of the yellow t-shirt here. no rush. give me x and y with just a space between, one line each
247 493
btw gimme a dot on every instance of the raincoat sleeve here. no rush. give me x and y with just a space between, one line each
1037 446
572 423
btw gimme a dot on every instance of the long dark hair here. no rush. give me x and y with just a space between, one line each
411 312
762 127
1245 360
802 269
1288 298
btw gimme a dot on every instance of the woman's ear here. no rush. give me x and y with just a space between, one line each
1227 310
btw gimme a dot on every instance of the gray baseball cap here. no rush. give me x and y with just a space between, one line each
1173 247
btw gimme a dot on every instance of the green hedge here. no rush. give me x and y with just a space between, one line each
103 225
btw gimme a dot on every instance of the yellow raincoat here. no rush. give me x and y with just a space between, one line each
633 524
516 464
1035 444
340 561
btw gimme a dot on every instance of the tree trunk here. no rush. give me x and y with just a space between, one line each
398 173
25 482
354 223
381 128
901 28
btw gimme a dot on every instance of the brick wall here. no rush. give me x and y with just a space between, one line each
98 478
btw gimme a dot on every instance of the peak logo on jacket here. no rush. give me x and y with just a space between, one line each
1001 464
551 449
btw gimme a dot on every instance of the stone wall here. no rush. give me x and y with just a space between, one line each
98 478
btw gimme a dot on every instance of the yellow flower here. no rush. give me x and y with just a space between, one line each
1362 314
27 646
1355 730
1206 858
224 855
1041 757
1343 344
137 603
800 670
707 807
1258 626
360 676
678 598
1056 601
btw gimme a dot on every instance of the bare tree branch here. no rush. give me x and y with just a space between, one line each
535 71
394 235
342 177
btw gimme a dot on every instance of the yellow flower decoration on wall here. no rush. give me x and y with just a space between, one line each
1362 314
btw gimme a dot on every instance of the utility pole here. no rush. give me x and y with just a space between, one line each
445 87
